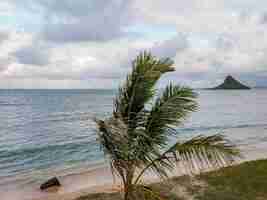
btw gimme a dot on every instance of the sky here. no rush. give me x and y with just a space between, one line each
91 43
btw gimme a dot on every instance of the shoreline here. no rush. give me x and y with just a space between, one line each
100 179
96 181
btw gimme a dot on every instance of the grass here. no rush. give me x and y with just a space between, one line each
247 181
102 196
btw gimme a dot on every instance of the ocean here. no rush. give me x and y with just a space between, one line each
44 133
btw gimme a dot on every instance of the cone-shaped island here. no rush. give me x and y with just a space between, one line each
231 84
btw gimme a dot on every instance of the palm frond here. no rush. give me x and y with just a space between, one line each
134 137
112 136
205 151
170 109
199 152
139 86
160 166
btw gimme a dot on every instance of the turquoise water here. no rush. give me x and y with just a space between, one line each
48 132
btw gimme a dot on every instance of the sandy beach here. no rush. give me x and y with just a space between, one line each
101 180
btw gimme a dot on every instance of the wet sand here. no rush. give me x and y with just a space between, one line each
101 179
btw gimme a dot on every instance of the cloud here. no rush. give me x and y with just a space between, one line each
220 37
11 41
3 36
34 54
4 63
96 40
5 8
100 20
171 47
79 61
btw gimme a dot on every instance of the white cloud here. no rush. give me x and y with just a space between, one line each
221 38
14 41
86 40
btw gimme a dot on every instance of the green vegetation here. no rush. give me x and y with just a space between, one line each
230 83
247 181
135 137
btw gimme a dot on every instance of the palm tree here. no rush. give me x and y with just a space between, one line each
135 138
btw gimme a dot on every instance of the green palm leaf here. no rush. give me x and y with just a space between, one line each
170 109
135 136
214 150
139 86
203 151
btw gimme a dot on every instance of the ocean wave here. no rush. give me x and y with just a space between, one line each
55 118
41 157
81 145
207 128
12 104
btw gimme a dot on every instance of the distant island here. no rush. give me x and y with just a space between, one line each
231 84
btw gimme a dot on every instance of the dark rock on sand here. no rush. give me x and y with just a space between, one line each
53 182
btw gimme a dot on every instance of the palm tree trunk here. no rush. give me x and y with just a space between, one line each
127 192
128 186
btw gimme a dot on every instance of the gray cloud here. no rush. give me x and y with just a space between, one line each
225 42
170 48
78 32
80 20
3 36
264 18
100 20
4 64
34 54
